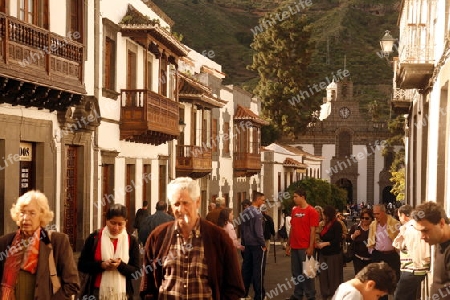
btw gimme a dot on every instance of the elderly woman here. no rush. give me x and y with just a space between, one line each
111 257
25 267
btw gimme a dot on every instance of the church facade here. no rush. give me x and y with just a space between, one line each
351 144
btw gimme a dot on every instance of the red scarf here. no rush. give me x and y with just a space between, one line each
22 254
326 227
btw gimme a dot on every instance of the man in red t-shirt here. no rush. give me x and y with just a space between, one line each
304 220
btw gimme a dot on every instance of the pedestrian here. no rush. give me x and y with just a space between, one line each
111 257
189 257
33 251
301 242
252 238
414 257
269 228
141 214
372 282
226 222
330 254
211 206
382 232
213 215
152 221
359 233
433 224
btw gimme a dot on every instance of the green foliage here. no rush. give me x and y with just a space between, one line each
281 59
318 192
399 180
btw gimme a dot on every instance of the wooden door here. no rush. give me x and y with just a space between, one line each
70 203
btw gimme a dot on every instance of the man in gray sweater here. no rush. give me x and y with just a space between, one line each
252 238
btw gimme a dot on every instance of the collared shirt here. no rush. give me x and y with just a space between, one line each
185 269
383 241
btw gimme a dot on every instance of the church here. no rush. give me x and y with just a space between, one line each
351 144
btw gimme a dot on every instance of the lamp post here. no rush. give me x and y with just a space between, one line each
387 43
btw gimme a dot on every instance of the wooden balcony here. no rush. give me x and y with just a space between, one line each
37 64
147 117
246 164
193 161
402 101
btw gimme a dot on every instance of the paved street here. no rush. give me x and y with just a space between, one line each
278 273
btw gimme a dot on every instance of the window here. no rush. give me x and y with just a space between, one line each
75 17
2 6
214 136
110 59
149 75
131 70
345 144
226 138
33 12
163 77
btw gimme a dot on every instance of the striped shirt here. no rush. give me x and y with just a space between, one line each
185 269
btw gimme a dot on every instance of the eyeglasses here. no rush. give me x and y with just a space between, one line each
365 218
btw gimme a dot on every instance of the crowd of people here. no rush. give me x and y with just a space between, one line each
184 256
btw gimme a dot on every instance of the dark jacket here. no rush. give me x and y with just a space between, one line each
64 261
269 227
151 222
224 275
334 236
87 263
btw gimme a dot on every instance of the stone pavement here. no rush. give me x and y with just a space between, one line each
277 274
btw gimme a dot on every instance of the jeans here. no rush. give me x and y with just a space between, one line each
303 285
407 286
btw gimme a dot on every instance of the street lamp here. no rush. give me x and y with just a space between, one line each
387 43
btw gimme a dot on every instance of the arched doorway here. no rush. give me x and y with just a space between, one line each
387 196
346 184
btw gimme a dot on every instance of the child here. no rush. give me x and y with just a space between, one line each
372 282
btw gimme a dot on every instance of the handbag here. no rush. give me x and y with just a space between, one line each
85 285
282 233
349 254
310 267
56 282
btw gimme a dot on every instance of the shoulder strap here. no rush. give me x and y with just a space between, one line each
56 283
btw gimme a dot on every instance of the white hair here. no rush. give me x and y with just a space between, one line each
183 183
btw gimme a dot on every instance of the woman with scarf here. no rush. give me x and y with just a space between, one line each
330 254
29 253
110 257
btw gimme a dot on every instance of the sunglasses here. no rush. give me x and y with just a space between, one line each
365 218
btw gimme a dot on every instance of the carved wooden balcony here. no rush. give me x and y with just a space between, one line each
193 161
246 164
147 117
402 100
37 64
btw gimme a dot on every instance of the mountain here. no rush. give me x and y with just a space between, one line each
346 34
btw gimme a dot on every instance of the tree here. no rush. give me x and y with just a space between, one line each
397 128
318 192
282 56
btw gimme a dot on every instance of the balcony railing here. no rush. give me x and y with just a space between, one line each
32 54
416 51
193 161
402 100
246 164
148 117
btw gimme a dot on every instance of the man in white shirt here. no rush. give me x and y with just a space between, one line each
414 257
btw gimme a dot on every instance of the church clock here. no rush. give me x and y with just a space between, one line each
344 112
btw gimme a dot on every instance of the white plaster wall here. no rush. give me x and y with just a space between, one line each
57 12
433 137
308 148
361 157
328 151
